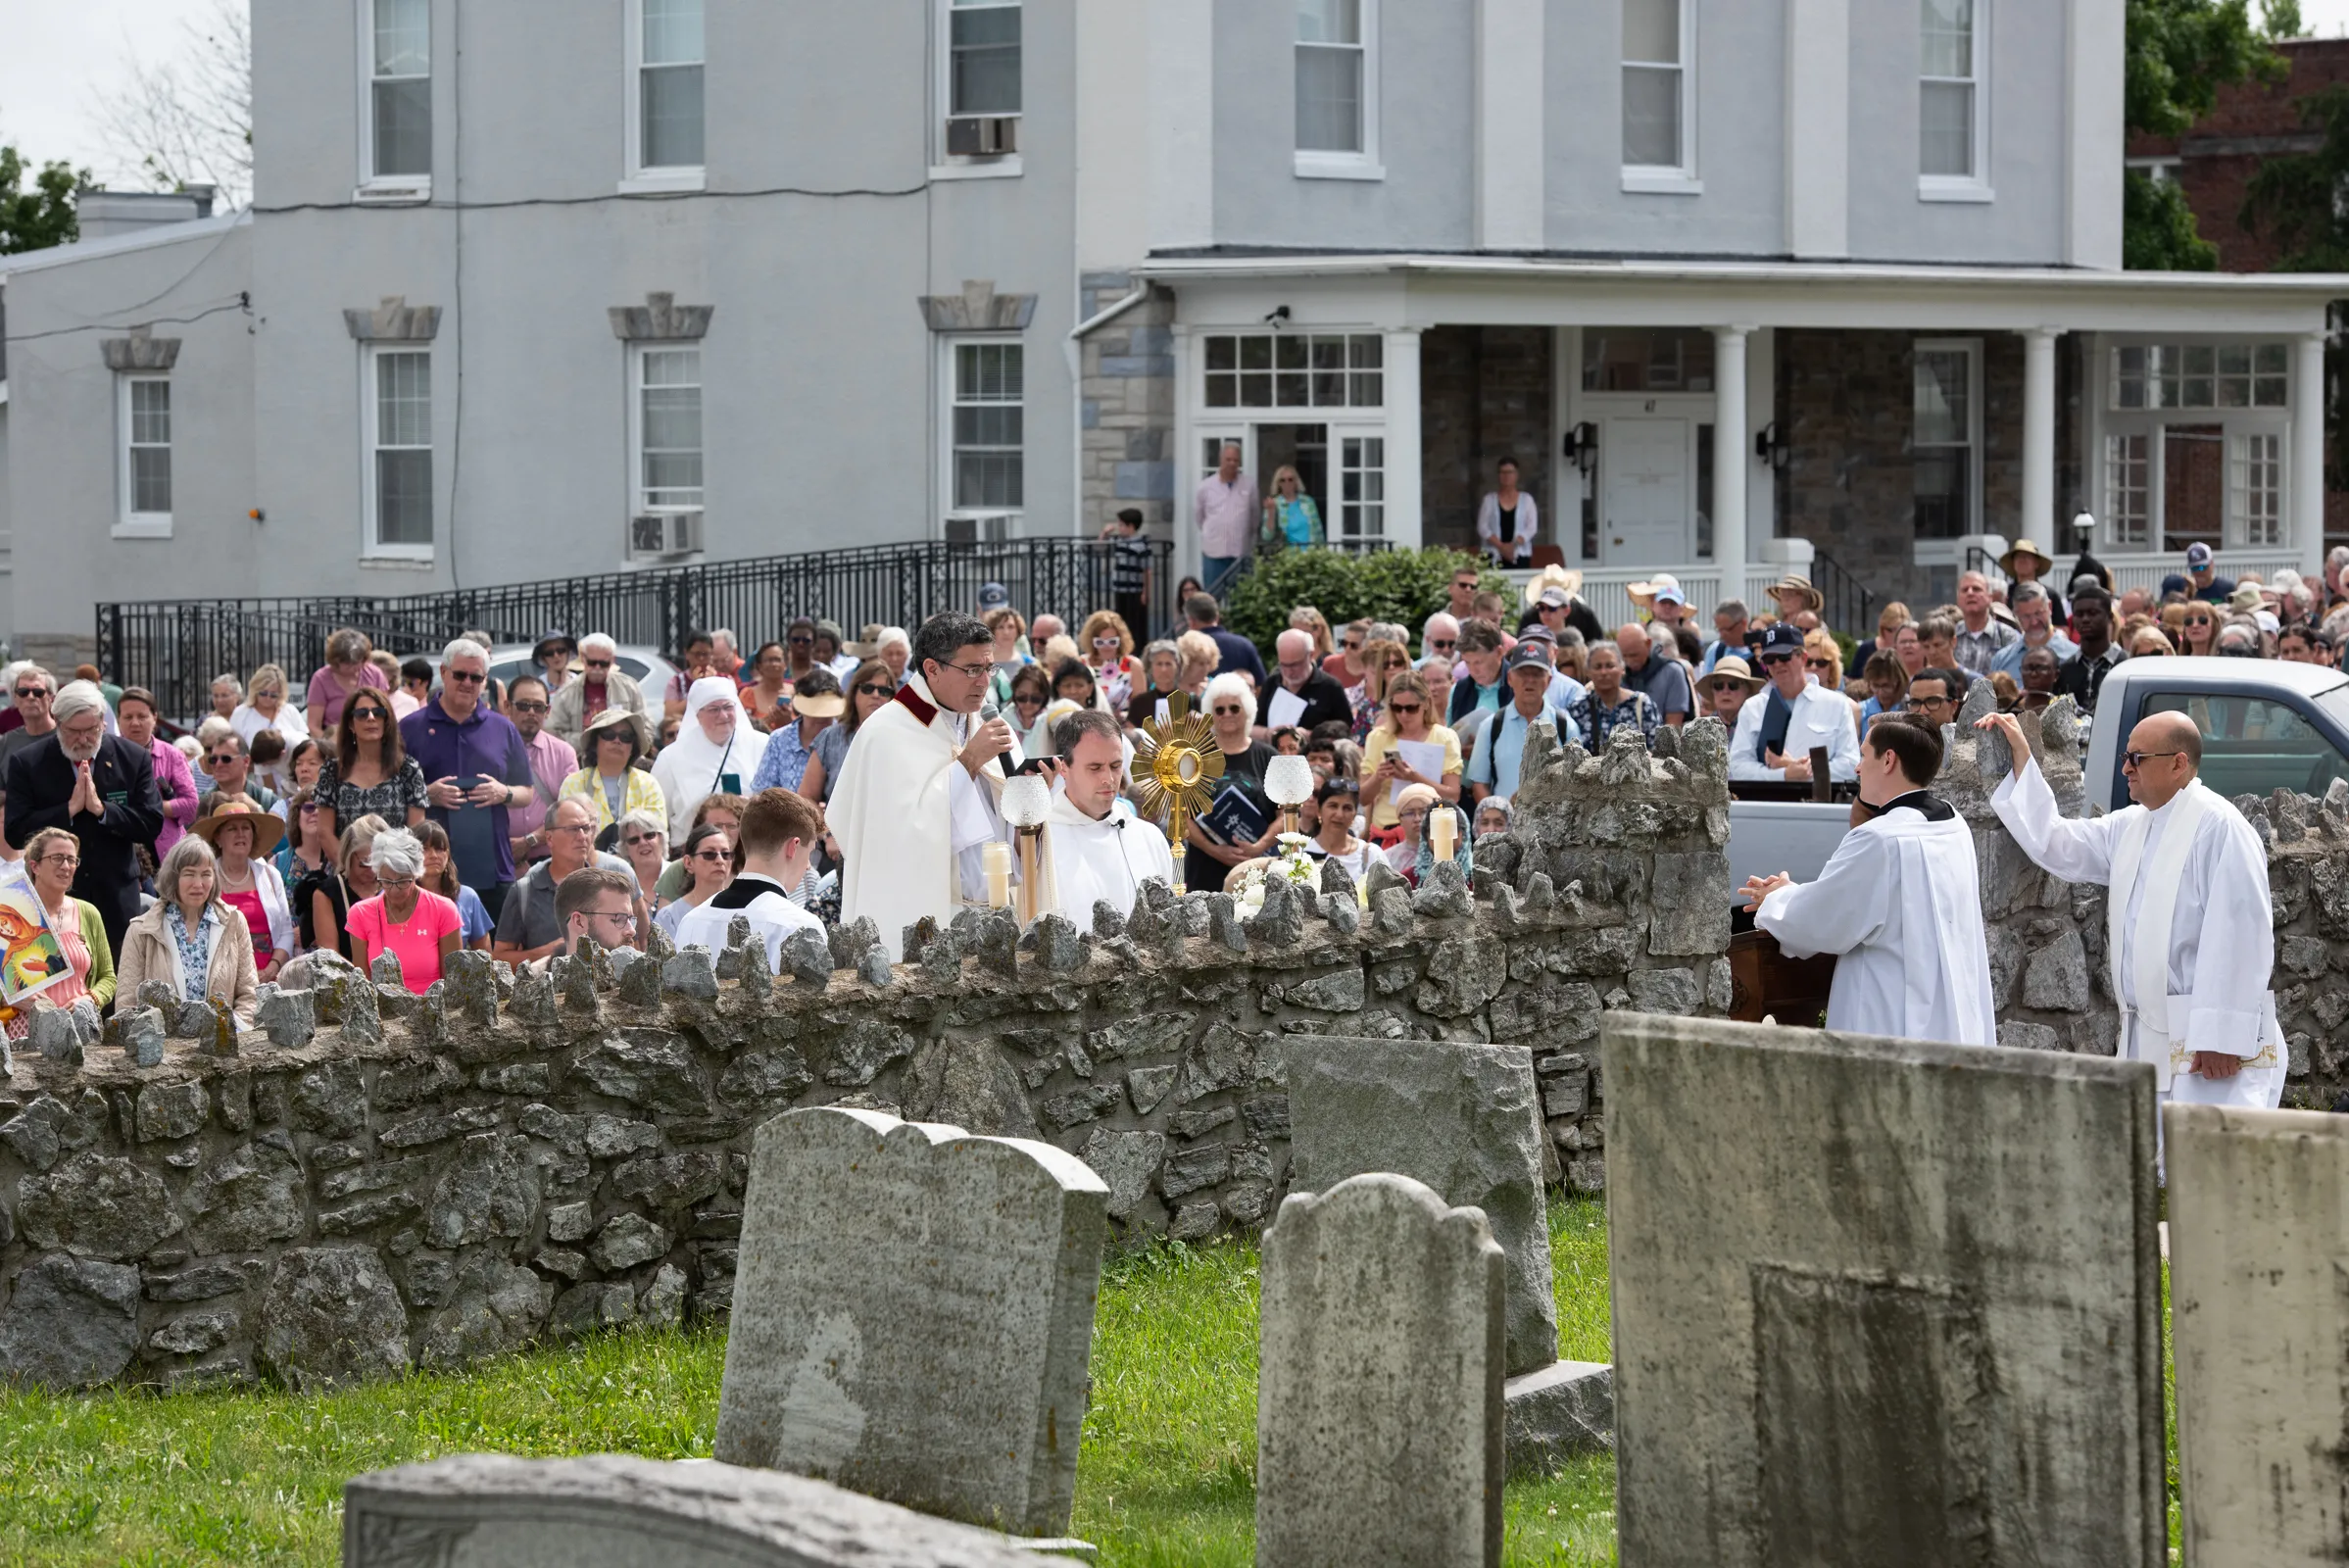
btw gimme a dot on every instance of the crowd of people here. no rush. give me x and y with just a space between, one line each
412 805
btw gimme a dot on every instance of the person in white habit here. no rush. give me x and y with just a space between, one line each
717 752
1092 846
1777 730
1898 902
2189 930
919 795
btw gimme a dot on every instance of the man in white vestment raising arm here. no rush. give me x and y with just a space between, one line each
2189 929
1899 902
1093 846
917 798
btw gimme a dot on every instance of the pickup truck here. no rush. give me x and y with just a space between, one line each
2266 726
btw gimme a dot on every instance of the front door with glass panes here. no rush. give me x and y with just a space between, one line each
1309 400
2194 439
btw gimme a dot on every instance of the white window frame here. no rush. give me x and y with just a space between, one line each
1976 186
2233 421
1659 179
372 546
945 165
1946 551
640 498
131 524
637 179
1361 165
374 188
2239 463
948 344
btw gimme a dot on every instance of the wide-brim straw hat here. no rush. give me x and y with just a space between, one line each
1552 576
613 718
2021 548
1730 670
267 831
821 705
1795 582
867 646
2245 598
1644 594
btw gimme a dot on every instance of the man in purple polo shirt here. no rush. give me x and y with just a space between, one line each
476 766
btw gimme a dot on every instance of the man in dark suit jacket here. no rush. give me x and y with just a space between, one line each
96 786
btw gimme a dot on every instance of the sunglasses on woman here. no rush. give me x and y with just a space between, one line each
869 690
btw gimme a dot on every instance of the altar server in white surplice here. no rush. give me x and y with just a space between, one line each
919 798
1092 846
2189 929
1900 904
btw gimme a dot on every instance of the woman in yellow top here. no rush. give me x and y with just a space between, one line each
611 782
1410 716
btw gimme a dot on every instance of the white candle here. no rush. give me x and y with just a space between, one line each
1442 828
997 858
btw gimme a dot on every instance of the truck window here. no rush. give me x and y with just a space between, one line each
2254 745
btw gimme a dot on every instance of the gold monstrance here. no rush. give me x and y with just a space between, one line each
1176 765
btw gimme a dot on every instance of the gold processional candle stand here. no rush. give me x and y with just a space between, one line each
1176 765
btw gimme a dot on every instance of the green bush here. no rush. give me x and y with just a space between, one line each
1405 586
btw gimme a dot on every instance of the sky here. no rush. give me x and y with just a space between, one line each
63 57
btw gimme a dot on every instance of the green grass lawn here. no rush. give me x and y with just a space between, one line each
1167 1475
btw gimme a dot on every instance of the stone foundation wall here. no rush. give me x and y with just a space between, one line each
1126 388
375 1180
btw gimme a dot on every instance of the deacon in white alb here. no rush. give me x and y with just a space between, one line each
780 830
1776 732
1093 846
918 797
1898 902
2189 929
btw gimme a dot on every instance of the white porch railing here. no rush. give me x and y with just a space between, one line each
2146 571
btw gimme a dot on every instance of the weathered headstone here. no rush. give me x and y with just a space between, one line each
1465 1120
488 1510
1881 1300
911 1316
2259 1229
1379 1374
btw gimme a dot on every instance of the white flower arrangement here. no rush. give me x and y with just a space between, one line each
1292 863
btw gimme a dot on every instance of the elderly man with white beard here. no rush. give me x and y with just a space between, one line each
96 786
1094 848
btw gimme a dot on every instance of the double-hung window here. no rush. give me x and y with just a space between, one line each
144 415
669 427
980 60
398 476
1951 124
1656 101
1945 446
665 88
396 118
1336 88
986 479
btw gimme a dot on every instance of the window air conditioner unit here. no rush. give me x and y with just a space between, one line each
982 135
665 533
987 530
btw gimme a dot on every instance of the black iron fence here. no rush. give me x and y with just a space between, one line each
175 647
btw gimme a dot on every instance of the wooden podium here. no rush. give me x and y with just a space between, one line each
1764 983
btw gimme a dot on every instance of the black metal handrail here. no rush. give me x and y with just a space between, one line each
175 647
1850 607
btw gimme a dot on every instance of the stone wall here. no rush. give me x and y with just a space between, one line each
2050 973
425 1181
1126 388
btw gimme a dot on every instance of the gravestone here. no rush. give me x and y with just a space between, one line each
912 1314
2259 1318
488 1510
1465 1120
1379 1374
1881 1302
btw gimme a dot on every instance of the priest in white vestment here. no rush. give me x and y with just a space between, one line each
1900 904
1092 846
917 798
2190 933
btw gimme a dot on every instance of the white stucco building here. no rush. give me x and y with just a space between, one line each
552 288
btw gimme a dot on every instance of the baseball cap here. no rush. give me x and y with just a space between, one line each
994 595
1782 641
1531 652
1553 598
2268 621
2198 556
1670 594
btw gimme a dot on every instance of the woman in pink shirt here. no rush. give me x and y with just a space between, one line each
134 715
419 928
346 672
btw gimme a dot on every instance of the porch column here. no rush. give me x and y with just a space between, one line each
1185 532
2306 489
1729 462
2039 435
1403 438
